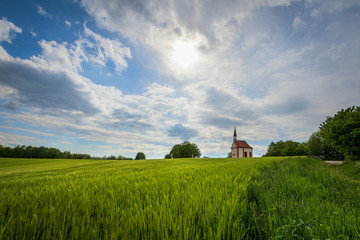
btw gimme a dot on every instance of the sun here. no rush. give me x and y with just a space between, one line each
184 54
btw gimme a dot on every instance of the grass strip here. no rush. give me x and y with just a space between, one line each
302 198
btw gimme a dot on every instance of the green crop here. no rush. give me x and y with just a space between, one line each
251 198
147 199
305 199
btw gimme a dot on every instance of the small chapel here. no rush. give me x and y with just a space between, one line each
240 148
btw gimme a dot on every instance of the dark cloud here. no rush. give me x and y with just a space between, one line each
219 99
122 114
290 106
182 132
127 120
225 105
221 121
43 89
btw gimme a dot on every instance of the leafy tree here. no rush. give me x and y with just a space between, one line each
140 155
168 155
342 132
316 144
302 149
39 152
185 150
287 148
120 157
321 149
66 155
275 149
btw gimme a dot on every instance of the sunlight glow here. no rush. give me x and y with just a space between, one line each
185 54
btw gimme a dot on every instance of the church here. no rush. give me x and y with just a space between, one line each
240 148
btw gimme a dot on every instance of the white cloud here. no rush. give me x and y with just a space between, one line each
297 21
6 28
50 87
156 89
89 48
61 56
29 130
159 24
7 139
4 55
67 23
42 12
108 49
253 70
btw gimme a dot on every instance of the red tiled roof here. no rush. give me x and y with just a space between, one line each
242 144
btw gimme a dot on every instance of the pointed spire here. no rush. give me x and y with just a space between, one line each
235 136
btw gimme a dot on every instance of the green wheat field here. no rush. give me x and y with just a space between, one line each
257 198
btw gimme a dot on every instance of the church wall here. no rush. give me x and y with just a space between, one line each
233 153
240 152
248 151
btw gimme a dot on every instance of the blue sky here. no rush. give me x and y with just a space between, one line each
110 77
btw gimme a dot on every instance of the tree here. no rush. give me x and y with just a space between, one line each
121 157
316 144
140 155
302 149
342 132
185 150
275 149
287 148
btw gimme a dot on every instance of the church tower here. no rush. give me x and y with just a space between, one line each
240 148
235 136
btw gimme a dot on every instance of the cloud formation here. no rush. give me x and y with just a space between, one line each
42 12
273 68
6 28
182 132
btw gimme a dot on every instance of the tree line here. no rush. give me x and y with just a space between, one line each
45 152
338 138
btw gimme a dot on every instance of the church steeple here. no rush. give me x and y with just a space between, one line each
235 136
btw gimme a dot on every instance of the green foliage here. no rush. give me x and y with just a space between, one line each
140 155
316 144
302 149
350 169
44 152
167 156
185 150
120 157
39 152
95 199
342 132
321 149
288 148
304 199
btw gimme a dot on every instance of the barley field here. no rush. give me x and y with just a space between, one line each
104 199
253 198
